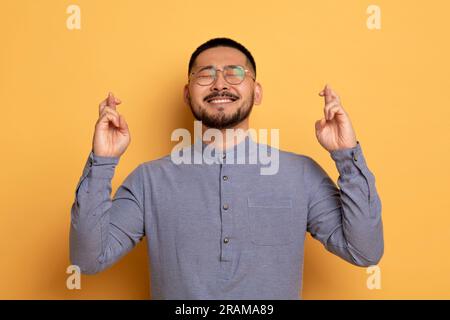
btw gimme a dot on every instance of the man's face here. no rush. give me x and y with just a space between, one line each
221 104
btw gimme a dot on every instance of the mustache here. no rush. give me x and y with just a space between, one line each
220 94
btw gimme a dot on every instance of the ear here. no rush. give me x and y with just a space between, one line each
257 94
186 95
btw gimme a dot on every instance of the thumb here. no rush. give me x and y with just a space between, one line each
123 124
320 124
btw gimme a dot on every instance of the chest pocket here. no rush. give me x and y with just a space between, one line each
271 220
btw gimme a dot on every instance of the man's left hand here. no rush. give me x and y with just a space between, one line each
334 131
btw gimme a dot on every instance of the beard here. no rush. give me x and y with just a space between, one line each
221 120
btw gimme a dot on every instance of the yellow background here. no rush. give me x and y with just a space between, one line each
393 83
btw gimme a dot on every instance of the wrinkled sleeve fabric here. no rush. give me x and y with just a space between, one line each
346 218
102 230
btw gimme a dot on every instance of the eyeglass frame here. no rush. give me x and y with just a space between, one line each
221 70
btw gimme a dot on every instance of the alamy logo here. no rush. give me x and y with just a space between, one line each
74 280
73 21
374 20
258 153
374 280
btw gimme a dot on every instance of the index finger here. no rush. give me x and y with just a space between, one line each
332 94
329 94
110 101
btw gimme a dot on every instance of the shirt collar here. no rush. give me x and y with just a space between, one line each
238 154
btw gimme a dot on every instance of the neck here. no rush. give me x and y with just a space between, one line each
226 140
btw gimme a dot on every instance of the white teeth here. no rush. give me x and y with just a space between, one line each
221 101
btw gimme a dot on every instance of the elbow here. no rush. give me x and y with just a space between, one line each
372 260
86 269
82 255
89 271
369 253
378 258
367 263
86 263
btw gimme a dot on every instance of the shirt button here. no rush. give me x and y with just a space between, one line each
225 178
355 157
225 206
226 240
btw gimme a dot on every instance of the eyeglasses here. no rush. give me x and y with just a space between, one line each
232 74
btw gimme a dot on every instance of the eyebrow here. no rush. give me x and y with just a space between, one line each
208 66
212 66
203 67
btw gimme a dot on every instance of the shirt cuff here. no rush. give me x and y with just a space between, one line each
102 167
349 160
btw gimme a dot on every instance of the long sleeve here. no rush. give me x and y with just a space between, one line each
346 220
103 230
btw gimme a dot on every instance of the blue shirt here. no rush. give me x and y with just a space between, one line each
225 231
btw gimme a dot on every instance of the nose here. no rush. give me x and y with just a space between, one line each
219 83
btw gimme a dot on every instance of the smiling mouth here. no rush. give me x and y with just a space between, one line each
221 100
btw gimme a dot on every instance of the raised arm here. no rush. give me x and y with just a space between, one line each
103 230
347 220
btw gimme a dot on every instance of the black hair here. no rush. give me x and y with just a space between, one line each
221 42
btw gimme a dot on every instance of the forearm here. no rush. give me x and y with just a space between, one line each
90 225
360 239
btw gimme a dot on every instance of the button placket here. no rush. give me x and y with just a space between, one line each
227 222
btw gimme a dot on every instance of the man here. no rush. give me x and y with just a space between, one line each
222 230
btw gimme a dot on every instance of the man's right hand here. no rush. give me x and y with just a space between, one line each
111 136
